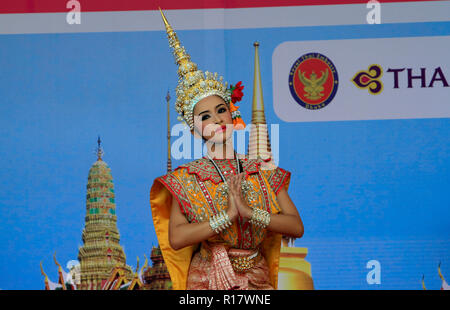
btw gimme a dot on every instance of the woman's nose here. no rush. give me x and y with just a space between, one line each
217 119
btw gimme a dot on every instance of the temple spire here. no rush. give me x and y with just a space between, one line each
169 157
258 100
259 144
99 149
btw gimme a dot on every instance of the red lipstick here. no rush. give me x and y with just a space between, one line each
221 128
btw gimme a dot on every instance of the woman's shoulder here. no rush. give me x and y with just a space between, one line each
266 165
276 176
201 168
196 163
186 167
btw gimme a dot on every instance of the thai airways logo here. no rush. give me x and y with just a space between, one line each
369 79
313 81
401 78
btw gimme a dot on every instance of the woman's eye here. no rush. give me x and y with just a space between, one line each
205 117
221 110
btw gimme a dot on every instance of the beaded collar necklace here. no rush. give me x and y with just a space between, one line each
238 168
245 185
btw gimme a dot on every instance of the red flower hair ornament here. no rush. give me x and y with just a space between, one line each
236 96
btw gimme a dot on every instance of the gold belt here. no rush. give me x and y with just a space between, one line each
242 263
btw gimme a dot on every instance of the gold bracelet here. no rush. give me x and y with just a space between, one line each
260 218
213 224
220 222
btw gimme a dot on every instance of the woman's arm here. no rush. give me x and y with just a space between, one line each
287 222
182 233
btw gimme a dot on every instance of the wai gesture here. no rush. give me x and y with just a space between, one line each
237 204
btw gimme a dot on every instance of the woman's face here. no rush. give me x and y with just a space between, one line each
212 119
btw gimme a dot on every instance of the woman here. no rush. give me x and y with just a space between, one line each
219 219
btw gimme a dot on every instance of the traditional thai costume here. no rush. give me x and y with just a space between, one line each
242 256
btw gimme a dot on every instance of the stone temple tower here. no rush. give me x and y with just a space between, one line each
101 251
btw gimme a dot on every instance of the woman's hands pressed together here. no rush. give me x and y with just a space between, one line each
237 204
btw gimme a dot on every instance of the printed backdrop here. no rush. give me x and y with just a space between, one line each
368 150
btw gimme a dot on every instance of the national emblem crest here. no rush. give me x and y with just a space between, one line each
313 81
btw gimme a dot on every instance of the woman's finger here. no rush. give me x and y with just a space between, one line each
233 181
241 177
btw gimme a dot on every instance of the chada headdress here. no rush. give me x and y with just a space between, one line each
194 85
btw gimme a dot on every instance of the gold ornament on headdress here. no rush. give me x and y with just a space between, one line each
193 84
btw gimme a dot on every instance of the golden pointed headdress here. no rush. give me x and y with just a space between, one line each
193 84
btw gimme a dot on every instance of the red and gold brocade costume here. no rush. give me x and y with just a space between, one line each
195 186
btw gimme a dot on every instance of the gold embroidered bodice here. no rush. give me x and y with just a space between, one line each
196 186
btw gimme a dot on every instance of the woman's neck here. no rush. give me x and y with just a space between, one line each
221 150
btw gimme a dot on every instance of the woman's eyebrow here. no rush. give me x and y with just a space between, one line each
203 112
220 104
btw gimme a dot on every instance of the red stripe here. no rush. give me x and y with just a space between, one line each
59 6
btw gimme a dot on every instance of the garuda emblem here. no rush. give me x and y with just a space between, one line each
313 86
313 81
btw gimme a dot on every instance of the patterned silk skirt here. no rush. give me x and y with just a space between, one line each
211 269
